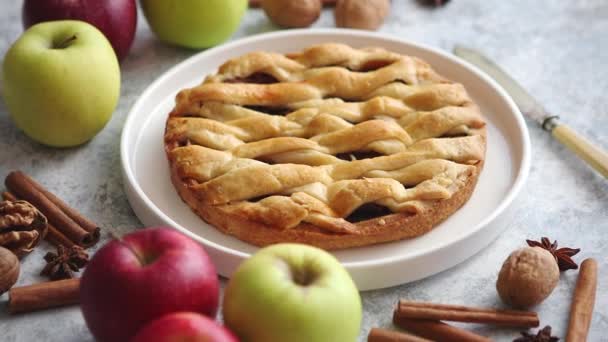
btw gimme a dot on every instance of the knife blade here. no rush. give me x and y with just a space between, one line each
526 103
593 155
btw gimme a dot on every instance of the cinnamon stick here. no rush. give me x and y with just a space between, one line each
53 235
56 238
457 313
7 196
44 295
437 331
385 335
67 220
258 3
85 223
583 302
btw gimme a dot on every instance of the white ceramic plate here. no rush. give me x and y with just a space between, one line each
154 200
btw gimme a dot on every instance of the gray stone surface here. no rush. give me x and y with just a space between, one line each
556 48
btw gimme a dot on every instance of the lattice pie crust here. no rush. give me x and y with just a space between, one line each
333 146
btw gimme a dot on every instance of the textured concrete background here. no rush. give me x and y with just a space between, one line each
556 48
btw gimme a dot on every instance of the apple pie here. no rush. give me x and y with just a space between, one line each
333 146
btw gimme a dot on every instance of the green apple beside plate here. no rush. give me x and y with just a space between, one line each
474 226
61 82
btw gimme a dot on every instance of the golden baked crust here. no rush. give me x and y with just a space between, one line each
293 148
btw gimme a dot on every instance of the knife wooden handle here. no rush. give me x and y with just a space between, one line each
593 155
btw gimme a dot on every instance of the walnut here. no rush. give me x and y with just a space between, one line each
527 277
22 226
290 13
9 269
361 14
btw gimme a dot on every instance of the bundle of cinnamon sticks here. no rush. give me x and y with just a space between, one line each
425 320
66 225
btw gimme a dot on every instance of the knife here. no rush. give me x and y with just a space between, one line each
593 155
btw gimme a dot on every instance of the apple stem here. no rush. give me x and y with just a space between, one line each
64 44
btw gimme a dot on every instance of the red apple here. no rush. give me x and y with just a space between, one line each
117 19
143 276
184 326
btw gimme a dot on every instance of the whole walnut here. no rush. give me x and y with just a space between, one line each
292 13
9 269
361 14
527 277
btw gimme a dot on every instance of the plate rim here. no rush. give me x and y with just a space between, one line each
520 178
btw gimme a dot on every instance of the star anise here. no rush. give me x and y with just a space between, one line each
562 255
543 335
63 263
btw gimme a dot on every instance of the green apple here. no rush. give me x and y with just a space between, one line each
295 293
61 82
194 24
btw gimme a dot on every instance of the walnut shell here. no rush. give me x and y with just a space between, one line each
292 13
527 277
9 269
22 226
361 14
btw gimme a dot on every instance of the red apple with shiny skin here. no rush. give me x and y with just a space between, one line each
145 275
184 326
116 19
